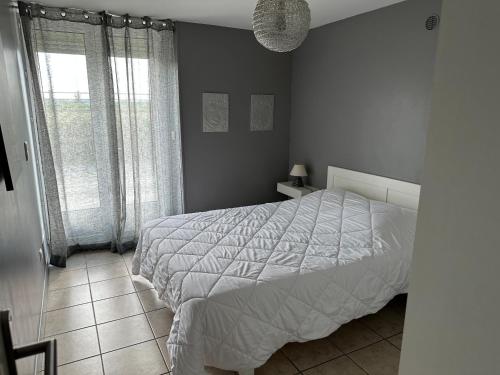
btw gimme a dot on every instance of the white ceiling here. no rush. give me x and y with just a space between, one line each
231 13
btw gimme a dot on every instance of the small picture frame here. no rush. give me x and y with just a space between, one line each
215 112
261 112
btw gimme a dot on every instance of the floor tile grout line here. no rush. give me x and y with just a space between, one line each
106 264
114 350
111 278
78 360
289 360
71 330
149 323
362 347
108 321
355 362
321 363
390 337
67 287
358 365
390 343
118 295
95 321
66 269
68 307
90 282
157 343
366 346
114 278
378 334
95 300
148 320
128 346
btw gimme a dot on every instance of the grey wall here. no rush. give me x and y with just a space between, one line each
361 93
21 272
451 325
239 167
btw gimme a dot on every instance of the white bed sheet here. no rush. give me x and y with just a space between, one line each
245 281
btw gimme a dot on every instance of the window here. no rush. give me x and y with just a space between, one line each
68 114
113 128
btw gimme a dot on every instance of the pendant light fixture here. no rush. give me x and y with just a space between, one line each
281 25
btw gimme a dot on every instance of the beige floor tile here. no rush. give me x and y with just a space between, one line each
353 336
97 258
129 254
117 308
397 340
150 301
76 261
162 343
76 345
378 359
61 298
89 366
68 319
339 366
386 322
143 358
62 278
161 321
111 288
24 366
140 283
107 271
127 258
278 364
312 353
124 332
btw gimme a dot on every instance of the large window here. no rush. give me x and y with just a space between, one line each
110 105
68 114
133 80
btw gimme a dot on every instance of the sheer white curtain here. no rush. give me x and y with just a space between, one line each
108 105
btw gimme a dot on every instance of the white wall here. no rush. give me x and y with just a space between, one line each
453 316
21 271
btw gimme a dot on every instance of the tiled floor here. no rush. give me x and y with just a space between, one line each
108 321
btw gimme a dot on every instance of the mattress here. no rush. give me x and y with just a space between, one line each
243 282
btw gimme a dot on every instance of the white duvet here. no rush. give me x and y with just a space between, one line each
245 281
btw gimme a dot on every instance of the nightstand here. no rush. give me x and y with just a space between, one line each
287 188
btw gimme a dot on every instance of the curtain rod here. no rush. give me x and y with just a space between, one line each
36 10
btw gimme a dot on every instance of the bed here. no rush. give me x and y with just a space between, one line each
243 282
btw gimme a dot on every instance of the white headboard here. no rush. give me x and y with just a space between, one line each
383 189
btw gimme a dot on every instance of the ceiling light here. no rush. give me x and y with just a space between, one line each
281 25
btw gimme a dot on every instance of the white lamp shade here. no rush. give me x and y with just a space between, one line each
298 170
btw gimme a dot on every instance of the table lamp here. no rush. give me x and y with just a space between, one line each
298 171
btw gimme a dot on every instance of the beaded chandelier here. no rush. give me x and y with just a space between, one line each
281 25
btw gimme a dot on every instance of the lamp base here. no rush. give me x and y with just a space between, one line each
298 182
